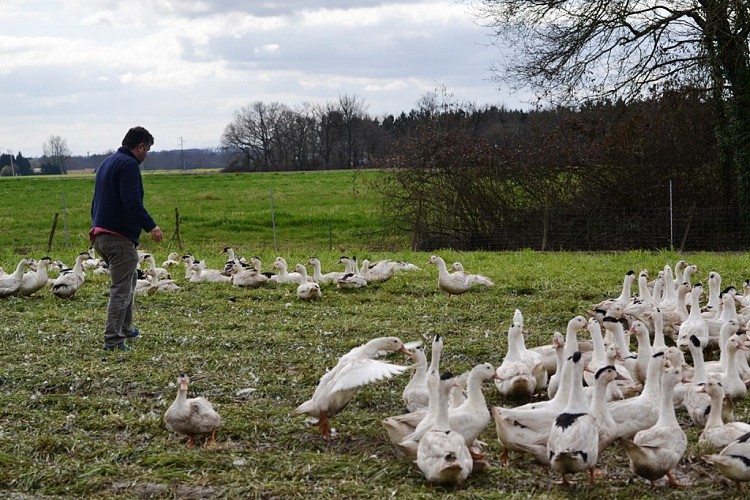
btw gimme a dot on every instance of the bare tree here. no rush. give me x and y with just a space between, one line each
57 152
353 111
328 119
571 51
254 130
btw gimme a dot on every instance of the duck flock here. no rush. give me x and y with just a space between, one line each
586 395
237 271
600 393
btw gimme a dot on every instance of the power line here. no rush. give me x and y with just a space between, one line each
182 152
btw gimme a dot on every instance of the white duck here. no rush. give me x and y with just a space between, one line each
573 443
598 354
10 284
283 276
712 309
513 377
409 442
68 282
378 272
655 451
158 272
471 418
478 279
549 355
468 419
616 332
351 281
232 259
526 428
193 416
695 324
188 260
734 386
257 264
642 411
164 286
727 312
716 433
601 358
606 425
355 369
675 313
533 359
623 299
143 286
307 290
575 325
33 281
644 292
247 277
352 278
400 426
696 401
658 321
733 461
641 333
202 275
173 260
416 395
668 293
92 262
558 343
453 283
319 277
442 454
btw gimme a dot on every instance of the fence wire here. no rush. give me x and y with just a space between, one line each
685 229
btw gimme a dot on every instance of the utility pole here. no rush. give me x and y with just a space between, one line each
182 152
12 167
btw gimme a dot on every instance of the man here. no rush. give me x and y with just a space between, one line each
117 218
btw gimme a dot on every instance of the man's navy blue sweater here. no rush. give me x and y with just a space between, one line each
118 197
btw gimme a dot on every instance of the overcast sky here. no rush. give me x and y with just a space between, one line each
87 70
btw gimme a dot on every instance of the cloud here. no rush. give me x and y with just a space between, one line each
184 66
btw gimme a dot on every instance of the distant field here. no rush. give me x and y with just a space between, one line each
315 211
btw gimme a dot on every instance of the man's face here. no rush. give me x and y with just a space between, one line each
141 151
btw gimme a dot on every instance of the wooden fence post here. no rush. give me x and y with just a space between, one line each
52 233
176 235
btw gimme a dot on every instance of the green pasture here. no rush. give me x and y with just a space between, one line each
77 422
313 210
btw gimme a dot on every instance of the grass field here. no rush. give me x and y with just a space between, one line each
314 210
79 422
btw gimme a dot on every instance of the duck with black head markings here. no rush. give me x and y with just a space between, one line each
573 443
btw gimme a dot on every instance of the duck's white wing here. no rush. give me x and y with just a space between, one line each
363 372
510 369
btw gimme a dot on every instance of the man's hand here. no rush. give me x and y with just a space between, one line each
156 234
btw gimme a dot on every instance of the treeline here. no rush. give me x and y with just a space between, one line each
187 159
337 135
606 175
14 165
174 159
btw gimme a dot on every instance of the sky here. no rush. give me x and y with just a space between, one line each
87 70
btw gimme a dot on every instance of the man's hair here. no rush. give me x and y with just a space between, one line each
136 136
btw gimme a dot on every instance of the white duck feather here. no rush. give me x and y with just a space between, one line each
355 369
655 451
